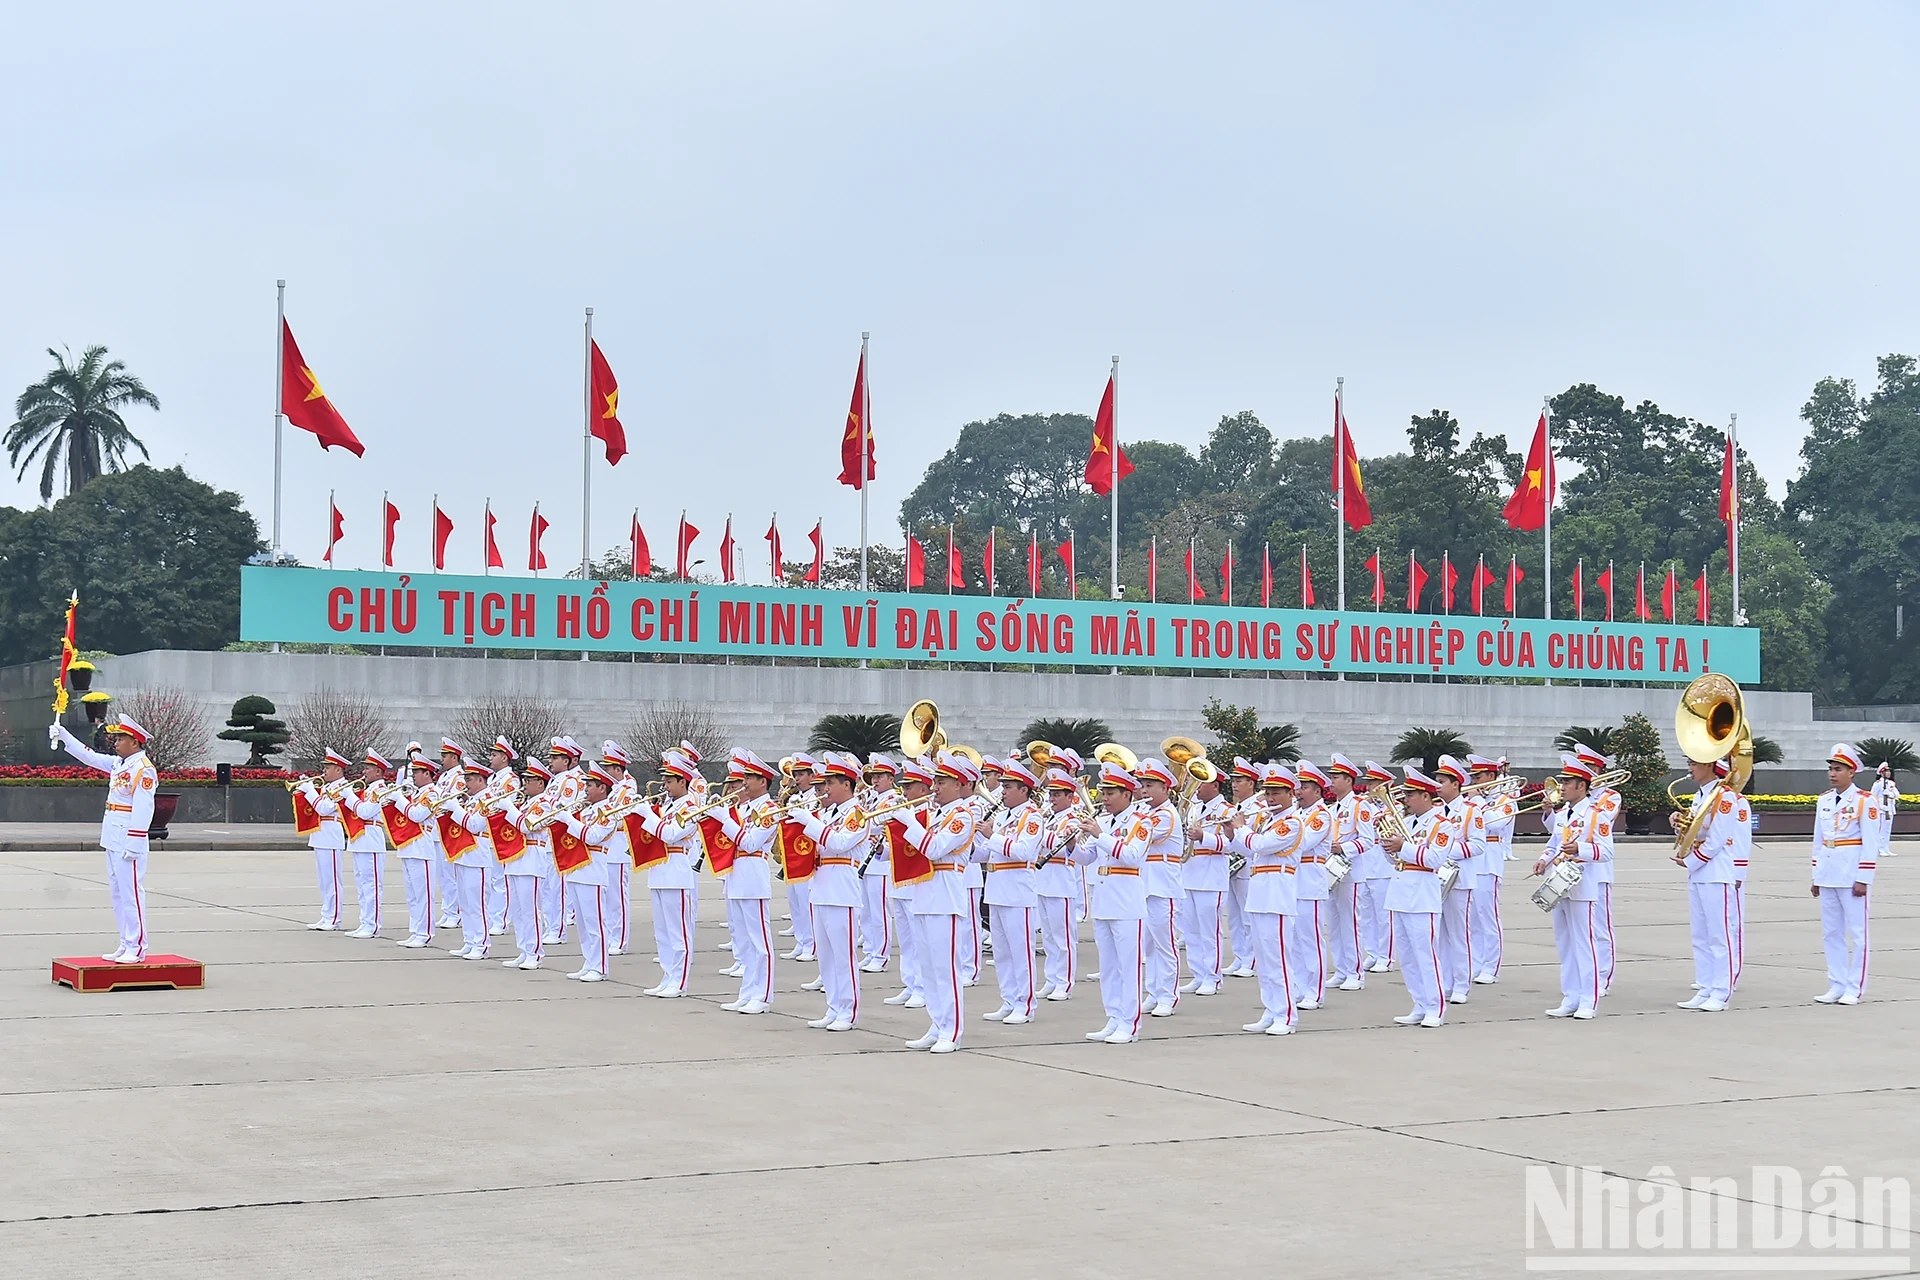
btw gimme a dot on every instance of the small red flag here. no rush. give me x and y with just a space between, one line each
1379 579
1482 579
726 550
642 554
1226 576
604 395
1668 591
858 432
1351 490
393 521
306 405
1515 576
773 548
987 559
1579 594
1703 607
1065 551
683 544
1730 493
1416 583
1640 609
336 526
1448 577
1033 566
819 554
956 570
1604 581
1106 460
1526 509
442 530
494 560
1306 580
1153 570
536 558
1266 575
916 563
1194 589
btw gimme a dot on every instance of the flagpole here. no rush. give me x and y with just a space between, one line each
1340 490
1113 485
330 511
433 531
1546 414
383 530
586 461
1733 525
486 560
866 451
279 418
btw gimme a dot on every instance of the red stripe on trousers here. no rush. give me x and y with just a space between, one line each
1026 924
1433 949
1606 894
600 918
1140 984
1593 955
766 938
1286 974
1864 904
1467 933
1500 936
139 912
1319 958
853 972
953 970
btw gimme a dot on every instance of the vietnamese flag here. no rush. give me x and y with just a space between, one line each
1226 576
956 570
772 539
1730 494
306 820
1266 575
1515 576
1416 583
536 558
1703 608
603 395
647 850
393 520
1668 591
1350 492
1379 579
1107 462
442 530
1194 590
1526 509
859 431
1033 566
684 546
306 405
720 849
1065 551
1640 609
1579 595
1604 581
336 527
1482 579
819 554
1306 580
492 549
642 554
987 558
726 550
916 563
1448 577
1153 569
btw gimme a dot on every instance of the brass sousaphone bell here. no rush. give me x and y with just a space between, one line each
1711 724
1115 754
920 731
1040 755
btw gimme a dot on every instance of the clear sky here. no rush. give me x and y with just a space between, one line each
1468 207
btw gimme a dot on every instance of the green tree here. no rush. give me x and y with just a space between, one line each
1636 748
1428 745
155 556
1239 733
1081 735
73 415
1598 736
252 722
1024 472
861 734
1898 753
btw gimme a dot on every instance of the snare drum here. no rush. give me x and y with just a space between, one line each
1449 875
1557 884
1338 867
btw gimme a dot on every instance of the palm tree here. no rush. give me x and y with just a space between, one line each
1428 745
1598 736
1081 735
74 412
860 735
1897 752
1767 751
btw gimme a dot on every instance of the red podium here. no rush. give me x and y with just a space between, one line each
91 973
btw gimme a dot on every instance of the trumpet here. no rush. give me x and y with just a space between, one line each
724 800
1547 797
895 807
1507 788
1392 819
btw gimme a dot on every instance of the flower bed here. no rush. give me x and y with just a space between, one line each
1806 804
76 775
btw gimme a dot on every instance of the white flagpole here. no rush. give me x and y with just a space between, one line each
433 531
383 531
330 510
1733 526
586 462
866 435
1113 486
1546 415
1340 498
535 566
279 394
486 561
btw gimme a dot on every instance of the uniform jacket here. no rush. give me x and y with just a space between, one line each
1846 839
1115 859
946 839
1273 859
130 787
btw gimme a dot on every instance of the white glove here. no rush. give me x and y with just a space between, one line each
53 735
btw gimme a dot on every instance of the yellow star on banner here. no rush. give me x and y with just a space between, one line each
853 425
613 403
1353 468
312 378
1533 479
1100 445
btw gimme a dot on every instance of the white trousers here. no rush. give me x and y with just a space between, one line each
127 888
876 921
1456 943
1739 940
477 905
1308 960
800 903
448 890
326 863
619 906
1013 957
1710 911
1484 930
1123 969
1603 937
553 906
912 969
1206 935
496 898
1376 922
1270 945
942 940
1843 927
589 913
672 934
1343 928
1239 927
1416 941
970 936
1577 934
1059 928
422 876
523 908
751 925
834 932
1162 954
367 876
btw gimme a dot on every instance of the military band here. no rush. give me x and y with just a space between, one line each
1305 878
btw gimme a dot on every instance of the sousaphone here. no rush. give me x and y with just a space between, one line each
920 731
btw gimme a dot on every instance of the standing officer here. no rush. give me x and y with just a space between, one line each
131 779
1709 864
1414 898
1846 844
1163 883
1582 833
1114 848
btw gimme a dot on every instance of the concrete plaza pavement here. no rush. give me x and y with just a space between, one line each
336 1107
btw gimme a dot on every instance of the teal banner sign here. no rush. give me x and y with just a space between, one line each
318 606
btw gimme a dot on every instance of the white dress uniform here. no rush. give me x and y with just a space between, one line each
876 920
670 884
504 782
1490 836
800 903
1374 871
480 902
524 875
1414 899
420 863
1165 893
586 892
1846 848
1056 889
749 888
1272 841
123 836
329 843
913 986
568 788
1012 901
1710 907
1117 901
1308 962
1587 829
1344 947
1456 939
1205 878
369 850
938 906
619 870
1607 802
1239 885
841 831
973 938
